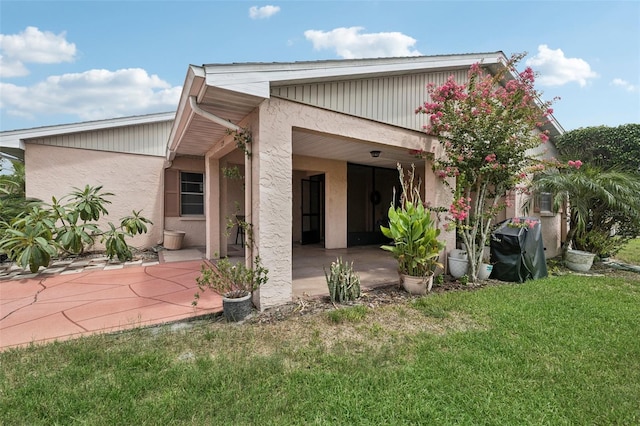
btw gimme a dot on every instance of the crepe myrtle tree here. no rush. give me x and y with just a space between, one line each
488 127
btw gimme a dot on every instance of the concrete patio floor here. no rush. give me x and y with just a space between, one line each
76 301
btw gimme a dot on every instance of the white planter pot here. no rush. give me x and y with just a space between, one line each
458 254
416 285
484 271
578 260
458 267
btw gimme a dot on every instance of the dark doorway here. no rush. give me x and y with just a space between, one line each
370 191
313 209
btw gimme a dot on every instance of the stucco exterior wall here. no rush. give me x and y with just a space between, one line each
272 187
135 181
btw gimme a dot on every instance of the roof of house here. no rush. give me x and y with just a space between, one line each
219 96
12 141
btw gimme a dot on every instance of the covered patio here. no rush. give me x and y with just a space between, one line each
82 299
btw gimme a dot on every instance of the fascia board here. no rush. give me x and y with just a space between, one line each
255 79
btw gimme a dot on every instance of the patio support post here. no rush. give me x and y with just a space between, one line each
212 208
271 204
439 195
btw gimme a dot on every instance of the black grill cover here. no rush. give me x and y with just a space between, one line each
517 253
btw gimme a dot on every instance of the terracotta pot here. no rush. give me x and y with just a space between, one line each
578 260
416 285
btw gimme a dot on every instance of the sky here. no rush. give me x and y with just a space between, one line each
71 61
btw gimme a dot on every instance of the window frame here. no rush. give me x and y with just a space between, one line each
541 206
182 193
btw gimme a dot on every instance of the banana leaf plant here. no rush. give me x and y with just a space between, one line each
412 231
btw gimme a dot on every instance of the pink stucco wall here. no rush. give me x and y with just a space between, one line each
135 180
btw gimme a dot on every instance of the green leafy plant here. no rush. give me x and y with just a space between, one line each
231 280
39 232
28 239
413 231
343 281
135 224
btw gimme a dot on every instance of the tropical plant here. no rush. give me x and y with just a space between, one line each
231 280
343 281
412 230
611 149
591 194
12 192
38 232
28 239
488 128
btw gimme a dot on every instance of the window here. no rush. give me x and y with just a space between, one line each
191 194
545 202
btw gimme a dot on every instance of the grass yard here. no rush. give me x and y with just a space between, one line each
562 350
630 253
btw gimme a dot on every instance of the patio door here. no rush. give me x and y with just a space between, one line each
313 209
370 191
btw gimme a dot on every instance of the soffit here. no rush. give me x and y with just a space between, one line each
318 145
200 134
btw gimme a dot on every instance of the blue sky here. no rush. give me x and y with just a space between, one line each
70 61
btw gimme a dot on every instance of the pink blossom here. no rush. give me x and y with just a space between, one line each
490 158
577 164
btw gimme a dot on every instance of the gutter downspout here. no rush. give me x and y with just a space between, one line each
248 198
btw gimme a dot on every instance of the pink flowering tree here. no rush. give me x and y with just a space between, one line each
488 127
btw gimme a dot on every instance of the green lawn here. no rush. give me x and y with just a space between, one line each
562 350
630 253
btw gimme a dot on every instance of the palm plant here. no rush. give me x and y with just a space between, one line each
12 193
592 195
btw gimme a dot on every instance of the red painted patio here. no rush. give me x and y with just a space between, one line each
59 307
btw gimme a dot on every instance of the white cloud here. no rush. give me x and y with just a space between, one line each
625 85
350 43
92 95
556 70
33 46
263 12
12 68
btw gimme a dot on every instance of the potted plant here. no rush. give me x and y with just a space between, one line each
235 282
414 237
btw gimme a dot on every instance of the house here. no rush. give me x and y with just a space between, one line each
326 138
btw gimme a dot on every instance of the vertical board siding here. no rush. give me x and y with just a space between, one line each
147 139
392 100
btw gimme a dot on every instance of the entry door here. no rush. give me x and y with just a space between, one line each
312 209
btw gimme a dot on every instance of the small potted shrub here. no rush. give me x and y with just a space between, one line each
414 237
235 282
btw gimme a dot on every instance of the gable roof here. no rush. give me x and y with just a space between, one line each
227 93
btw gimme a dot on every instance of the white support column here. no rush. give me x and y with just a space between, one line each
212 207
271 206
